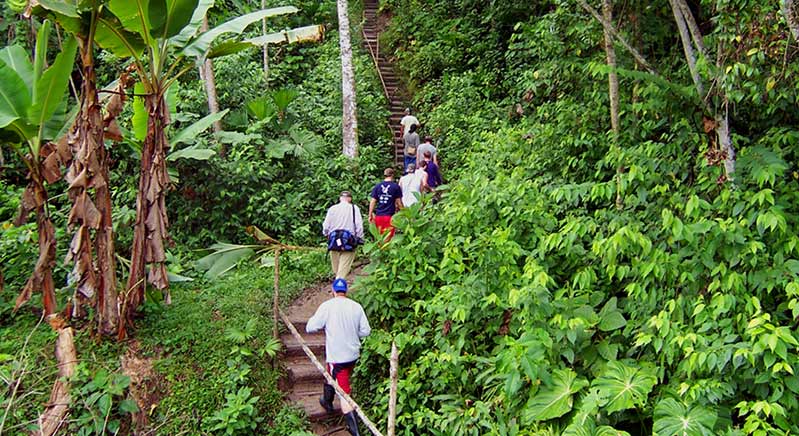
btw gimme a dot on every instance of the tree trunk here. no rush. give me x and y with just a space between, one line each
790 17
52 419
613 90
688 48
208 77
349 117
150 231
266 48
92 124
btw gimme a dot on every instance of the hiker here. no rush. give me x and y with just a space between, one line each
344 323
433 175
411 184
343 228
411 140
424 147
407 121
386 201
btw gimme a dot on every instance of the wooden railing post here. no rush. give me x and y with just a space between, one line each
392 392
276 297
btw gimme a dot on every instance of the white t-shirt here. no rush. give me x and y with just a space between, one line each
407 121
411 183
345 323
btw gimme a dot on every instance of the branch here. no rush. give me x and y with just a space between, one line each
687 46
612 30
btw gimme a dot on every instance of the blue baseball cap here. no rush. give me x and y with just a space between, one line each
340 285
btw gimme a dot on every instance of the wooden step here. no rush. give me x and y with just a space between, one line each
316 343
303 371
309 402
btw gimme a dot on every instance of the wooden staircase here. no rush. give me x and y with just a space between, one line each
305 382
391 83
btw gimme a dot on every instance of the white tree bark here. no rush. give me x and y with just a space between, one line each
613 91
687 46
790 17
266 48
207 76
349 115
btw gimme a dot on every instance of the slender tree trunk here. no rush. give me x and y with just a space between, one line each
613 90
687 46
790 17
349 116
266 48
150 231
208 77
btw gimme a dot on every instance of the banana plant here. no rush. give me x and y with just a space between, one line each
33 106
158 36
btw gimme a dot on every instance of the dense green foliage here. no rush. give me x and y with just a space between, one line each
528 303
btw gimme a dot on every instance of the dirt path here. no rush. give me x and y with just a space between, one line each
303 381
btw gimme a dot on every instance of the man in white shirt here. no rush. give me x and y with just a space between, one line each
426 146
407 121
344 323
343 216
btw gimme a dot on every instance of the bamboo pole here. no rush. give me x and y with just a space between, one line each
392 393
276 297
369 424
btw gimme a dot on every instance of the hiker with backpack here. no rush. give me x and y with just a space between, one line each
412 183
433 175
343 228
344 323
386 201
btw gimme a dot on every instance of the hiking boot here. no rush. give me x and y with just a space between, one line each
352 423
326 400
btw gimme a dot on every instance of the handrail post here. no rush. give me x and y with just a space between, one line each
276 297
392 392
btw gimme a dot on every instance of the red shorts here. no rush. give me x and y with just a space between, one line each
383 223
341 372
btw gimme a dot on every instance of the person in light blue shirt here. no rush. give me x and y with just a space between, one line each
344 323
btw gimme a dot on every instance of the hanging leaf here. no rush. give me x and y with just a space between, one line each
134 15
301 34
200 46
190 133
557 399
110 35
192 152
673 418
623 386
224 258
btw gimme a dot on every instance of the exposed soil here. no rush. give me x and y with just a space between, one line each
147 386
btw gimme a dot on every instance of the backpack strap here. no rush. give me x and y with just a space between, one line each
354 229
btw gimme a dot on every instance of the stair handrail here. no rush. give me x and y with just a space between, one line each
330 380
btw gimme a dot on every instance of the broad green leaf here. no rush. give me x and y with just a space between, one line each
140 115
17 59
308 33
673 418
262 107
40 52
607 430
177 278
112 37
623 386
227 48
199 46
51 88
176 16
224 259
555 400
134 15
66 8
192 152
190 133
14 96
59 124
194 25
